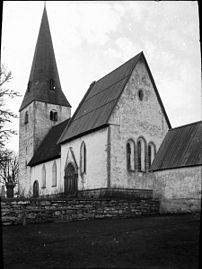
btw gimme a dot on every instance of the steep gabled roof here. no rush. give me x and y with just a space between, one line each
102 96
181 147
49 149
44 71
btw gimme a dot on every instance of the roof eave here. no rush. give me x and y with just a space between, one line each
84 133
39 100
172 168
157 93
43 161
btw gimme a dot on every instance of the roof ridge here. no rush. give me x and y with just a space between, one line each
138 56
107 87
120 66
188 124
133 61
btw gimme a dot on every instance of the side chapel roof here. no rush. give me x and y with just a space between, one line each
181 147
44 71
99 101
49 149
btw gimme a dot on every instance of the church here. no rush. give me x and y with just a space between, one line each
118 139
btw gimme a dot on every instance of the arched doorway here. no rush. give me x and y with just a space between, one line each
36 189
70 180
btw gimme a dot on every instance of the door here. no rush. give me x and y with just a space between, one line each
36 189
70 180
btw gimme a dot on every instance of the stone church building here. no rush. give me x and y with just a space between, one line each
119 138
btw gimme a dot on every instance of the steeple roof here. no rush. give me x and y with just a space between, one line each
44 83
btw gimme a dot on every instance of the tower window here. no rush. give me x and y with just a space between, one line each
52 84
140 95
53 115
29 86
26 118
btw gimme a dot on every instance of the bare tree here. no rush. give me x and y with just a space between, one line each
5 114
9 167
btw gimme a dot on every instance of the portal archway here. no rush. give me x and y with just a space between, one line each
70 180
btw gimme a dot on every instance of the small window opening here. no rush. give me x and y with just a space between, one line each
140 95
128 156
29 86
130 151
43 176
83 158
151 154
52 85
54 174
53 115
26 118
139 156
141 152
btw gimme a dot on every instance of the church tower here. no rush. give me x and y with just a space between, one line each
44 104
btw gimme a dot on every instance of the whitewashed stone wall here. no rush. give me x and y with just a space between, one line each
179 189
32 134
131 119
96 159
36 174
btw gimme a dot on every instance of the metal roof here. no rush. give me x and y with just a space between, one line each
43 70
98 103
49 149
181 147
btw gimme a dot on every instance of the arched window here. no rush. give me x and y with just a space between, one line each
130 152
54 174
26 118
43 176
151 153
53 115
36 189
83 158
141 155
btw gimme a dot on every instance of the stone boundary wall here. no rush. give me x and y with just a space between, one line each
116 193
24 211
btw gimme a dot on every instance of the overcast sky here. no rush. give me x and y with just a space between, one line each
92 38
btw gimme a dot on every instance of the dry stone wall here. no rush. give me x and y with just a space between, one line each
25 211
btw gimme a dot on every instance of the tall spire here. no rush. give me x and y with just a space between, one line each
44 83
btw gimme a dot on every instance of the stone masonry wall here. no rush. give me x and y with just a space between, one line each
179 190
24 211
133 118
32 134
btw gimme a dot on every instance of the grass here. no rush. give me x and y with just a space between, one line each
145 242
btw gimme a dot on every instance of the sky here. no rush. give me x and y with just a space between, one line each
92 38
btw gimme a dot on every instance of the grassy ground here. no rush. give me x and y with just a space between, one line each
145 242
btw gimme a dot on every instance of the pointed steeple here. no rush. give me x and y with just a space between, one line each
44 83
